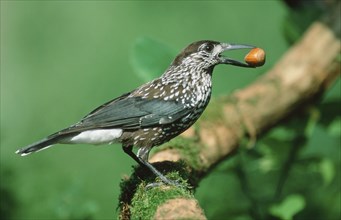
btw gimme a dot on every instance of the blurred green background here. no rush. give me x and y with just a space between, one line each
60 60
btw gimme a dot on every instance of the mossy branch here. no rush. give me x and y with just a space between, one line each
300 77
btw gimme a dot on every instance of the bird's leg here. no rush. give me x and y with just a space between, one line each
142 156
142 159
129 150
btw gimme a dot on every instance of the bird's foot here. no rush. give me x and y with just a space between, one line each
164 182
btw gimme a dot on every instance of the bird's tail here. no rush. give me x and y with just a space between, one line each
37 146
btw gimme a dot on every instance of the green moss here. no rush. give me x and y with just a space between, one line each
338 58
142 176
189 148
148 199
213 111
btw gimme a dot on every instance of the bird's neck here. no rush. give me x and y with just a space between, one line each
188 76
194 81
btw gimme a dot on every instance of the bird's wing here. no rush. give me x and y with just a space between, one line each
162 112
108 103
131 113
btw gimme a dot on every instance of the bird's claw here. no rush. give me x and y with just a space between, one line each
165 182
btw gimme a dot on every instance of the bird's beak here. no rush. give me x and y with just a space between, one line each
226 60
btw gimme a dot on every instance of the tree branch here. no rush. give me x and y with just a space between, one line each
306 70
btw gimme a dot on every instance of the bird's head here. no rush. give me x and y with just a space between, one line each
206 54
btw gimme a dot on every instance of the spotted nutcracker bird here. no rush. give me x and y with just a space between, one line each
153 113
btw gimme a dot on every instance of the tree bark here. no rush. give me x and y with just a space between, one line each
300 77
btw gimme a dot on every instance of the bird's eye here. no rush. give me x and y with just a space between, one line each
207 47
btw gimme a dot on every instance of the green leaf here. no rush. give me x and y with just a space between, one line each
327 170
291 205
299 20
314 116
150 58
334 128
282 133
